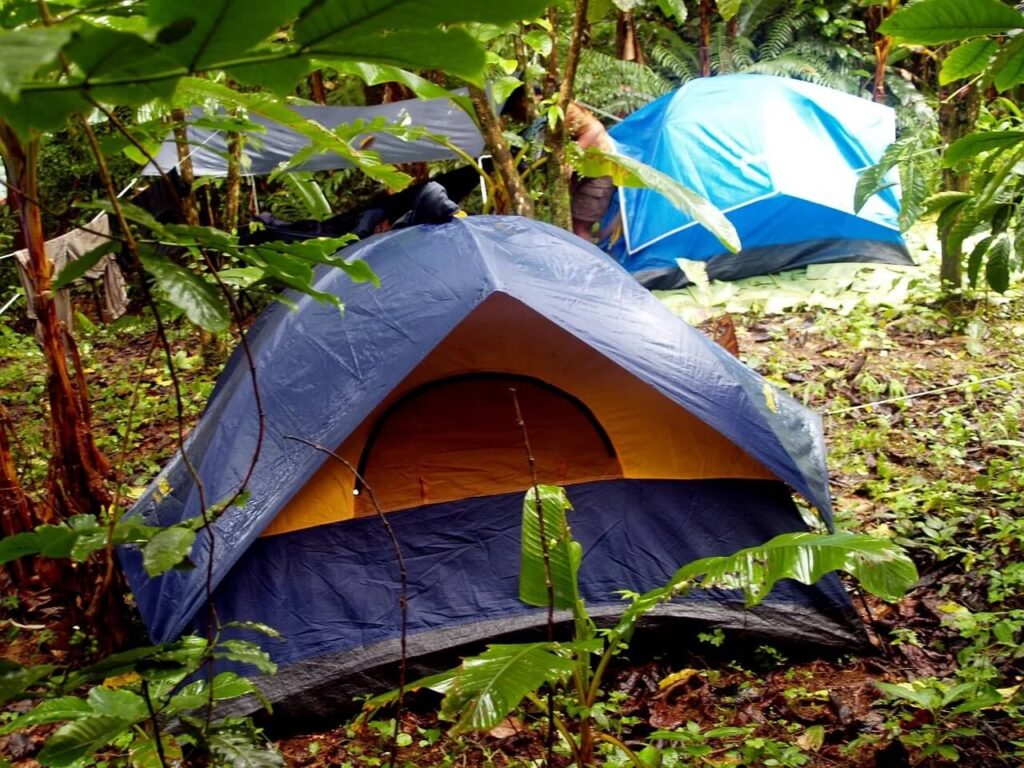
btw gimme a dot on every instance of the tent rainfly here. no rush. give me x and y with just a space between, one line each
266 152
670 449
780 157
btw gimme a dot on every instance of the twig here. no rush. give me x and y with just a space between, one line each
546 559
403 599
156 725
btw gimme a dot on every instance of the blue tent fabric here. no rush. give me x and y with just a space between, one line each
780 157
335 587
322 372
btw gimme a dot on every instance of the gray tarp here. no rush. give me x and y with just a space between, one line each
266 151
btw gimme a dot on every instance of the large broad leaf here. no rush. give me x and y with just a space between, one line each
727 9
309 194
628 172
118 702
914 189
199 299
16 679
201 33
563 552
876 178
56 710
881 567
23 51
967 60
489 686
930 22
975 143
129 65
77 268
997 267
321 139
1008 67
80 739
167 549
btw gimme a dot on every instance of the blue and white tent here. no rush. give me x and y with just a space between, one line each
670 450
780 157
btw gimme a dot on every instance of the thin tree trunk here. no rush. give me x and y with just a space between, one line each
189 205
517 196
706 15
316 87
78 471
626 46
233 182
16 515
557 177
958 112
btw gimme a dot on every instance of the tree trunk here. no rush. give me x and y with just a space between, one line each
626 46
557 176
958 112
516 195
189 206
233 182
316 87
16 515
78 471
706 15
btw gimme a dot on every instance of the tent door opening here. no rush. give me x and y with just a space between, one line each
458 437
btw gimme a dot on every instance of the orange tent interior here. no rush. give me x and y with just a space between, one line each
449 431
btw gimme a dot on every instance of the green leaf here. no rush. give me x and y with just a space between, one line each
881 567
217 30
967 60
118 702
877 178
914 189
50 711
1008 68
309 194
245 652
242 749
627 172
940 201
997 266
489 686
976 259
564 553
727 9
199 299
80 739
973 144
415 34
16 679
24 51
674 9
930 22
167 549
321 139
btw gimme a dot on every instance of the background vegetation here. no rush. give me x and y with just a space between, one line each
88 89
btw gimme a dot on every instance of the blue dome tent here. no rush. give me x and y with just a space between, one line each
780 157
670 449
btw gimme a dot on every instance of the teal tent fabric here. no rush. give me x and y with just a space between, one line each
780 157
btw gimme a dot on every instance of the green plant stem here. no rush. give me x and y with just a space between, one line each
157 741
620 745
560 726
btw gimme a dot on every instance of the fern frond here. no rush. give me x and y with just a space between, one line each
617 86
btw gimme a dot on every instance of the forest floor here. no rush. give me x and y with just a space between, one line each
922 406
